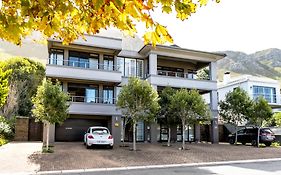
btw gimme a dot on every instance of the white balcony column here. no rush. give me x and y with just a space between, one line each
100 100
64 87
101 61
152 64
214 118
115 63
213 71
65 55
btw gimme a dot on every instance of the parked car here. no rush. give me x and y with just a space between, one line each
98 136
249 135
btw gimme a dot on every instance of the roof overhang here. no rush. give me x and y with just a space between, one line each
178 52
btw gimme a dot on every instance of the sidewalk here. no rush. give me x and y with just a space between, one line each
14 157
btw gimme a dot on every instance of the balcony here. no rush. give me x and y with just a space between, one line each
83 70
92 106
181 80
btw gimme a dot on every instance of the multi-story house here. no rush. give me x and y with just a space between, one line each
93 72
254 86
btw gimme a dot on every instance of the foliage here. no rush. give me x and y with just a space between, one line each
3 141
50 103
4 88
139 101
261 112
5 128
166 113
68 19
203 74
236 107
24 78
277 119
190 107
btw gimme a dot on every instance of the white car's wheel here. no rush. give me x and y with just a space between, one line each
87 145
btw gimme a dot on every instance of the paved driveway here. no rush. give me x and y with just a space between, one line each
76 156
14 157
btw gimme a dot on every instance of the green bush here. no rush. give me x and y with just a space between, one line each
6 128
2 140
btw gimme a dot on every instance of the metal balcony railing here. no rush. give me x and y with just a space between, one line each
85 99
84 64
176 74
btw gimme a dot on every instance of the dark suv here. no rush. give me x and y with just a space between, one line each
249 135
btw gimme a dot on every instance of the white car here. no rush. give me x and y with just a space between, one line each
98 135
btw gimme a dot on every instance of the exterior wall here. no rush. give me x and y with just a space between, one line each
104 45
21 129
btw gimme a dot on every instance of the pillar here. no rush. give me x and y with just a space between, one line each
116 128
197 133
213 71
214 119
153 132
153 64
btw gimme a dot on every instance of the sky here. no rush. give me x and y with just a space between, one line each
238 25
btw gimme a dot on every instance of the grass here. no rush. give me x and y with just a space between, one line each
45 150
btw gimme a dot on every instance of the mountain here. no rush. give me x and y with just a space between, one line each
266 63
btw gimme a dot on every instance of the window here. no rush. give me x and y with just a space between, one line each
170 71
83 92
108 95
108 62
269 93
94 61
131 67
140 131
56 57
78 59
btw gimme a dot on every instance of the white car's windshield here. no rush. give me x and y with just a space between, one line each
99 131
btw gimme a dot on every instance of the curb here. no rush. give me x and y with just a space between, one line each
158 166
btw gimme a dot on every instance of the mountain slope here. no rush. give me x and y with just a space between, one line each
265 63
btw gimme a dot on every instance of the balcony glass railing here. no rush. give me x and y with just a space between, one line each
177 74
271 98
84 64
86 99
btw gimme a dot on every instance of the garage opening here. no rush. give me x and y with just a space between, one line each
73 129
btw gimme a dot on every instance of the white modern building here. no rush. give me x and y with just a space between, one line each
255 86
94 71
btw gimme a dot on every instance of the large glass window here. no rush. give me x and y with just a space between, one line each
83 92
131 67
189 133
94 61
269 93
56 57
92 95
78 59
140 131
108 62
108 95
170 71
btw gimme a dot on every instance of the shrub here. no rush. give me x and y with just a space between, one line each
2 140
5 128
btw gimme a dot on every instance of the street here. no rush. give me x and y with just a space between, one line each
262 168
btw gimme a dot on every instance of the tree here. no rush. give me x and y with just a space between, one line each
203 74
4 88
51 105
25 76
261 112
235 108
277 119
139 101
190 107
68 19
166 114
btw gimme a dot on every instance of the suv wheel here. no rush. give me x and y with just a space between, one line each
267 144
231 141
254 143
243 143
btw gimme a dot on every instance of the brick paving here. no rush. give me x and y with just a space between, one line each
76 156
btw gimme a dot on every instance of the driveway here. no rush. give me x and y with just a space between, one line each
76 156
14 157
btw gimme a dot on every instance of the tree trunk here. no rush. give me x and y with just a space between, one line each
134 136
169 136
258 139
183 135
47 142
236 137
